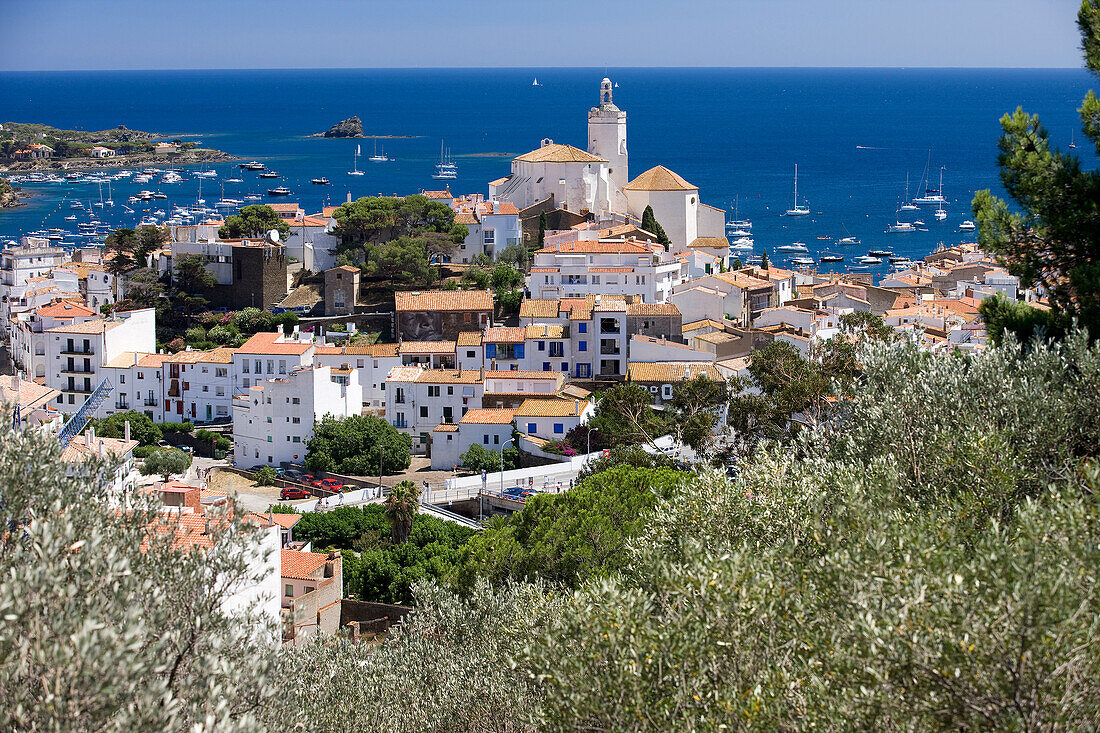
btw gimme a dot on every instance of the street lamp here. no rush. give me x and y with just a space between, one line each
502 465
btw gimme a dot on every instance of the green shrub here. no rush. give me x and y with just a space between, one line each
266 476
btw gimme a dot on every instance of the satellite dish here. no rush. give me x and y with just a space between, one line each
273 236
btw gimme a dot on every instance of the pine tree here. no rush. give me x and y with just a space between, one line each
1051 238
651 225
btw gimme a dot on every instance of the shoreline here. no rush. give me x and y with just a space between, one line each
363 137
199 155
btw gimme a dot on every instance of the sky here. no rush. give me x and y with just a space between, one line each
232 34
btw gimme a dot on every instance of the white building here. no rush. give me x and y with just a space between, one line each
273 420
418 400
138 384
577 268
75 353
489 428
265 356
33 257
676 206
198 386
88 447
27 337
372 362
492 225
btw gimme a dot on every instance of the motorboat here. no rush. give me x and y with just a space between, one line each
159 195
901 226
322 181
234 180
793 247
848 240
869 260
940 214
253 197
742 245
803 261
830 257
70 217
880 252
207 174
897 258
279 191
251 165
967 225
739 232
269 174
797 209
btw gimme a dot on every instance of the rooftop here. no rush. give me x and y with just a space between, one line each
670 371
559 153
444 300
301 565
551 407
659 178
483 416
270 343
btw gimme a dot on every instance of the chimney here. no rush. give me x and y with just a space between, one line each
89 437
206 527
353 631
126 431
576 407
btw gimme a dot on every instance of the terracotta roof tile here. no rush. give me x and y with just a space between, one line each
559 153
301 565
444 300
551 407
670 371
659 178
267 343
416 348
485 416
504 335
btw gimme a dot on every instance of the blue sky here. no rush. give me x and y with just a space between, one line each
194 34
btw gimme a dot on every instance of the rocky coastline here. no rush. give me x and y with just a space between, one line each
9 197
187 157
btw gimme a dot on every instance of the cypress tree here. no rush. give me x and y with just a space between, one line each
764 260
651 225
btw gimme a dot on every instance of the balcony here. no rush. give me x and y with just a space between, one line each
152 402
79 389
122 405
400 424
77 352
74 370
610 349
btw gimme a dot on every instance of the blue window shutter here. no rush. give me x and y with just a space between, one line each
582 346
542 346
546 366
559 427
519 351
583 328
532 428
490 351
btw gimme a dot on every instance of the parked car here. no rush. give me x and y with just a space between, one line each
291 492
331 484
308 479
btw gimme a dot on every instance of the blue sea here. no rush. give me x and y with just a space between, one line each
736 133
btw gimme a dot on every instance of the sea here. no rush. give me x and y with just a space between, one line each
855 134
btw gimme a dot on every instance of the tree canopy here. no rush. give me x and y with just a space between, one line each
651 225
1051 239
166 463
351 446
253 221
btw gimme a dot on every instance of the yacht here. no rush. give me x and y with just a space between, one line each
901 226
251 165
253 197
869 260
1072 145
830 257
159 195
742 227
535 83
967 226
793 247
322 181
740 232
355 163
803 261
906 204
742 245
269 174
797 210
278 191
234 180
941 214
880 252
70 217
207 174
895 259
932 195
379 157
919 223
445 169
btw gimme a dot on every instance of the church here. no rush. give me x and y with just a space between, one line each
597 180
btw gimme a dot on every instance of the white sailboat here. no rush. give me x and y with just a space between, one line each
355 163
378 157
931 195
906 204
797 210
445 169
535 83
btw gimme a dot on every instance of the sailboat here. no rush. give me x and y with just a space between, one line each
906 204
931 195
797 210
445 169
378 157
110 199
535 83
742 226
355 163
847 238
1072 144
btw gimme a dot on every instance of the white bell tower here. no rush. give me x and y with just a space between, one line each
607 136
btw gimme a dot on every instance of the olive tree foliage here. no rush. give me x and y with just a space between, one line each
97 633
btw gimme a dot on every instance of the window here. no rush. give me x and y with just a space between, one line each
546 366
557 349
471 354
289 590
205 370
433 390
122 379
532 428
496 440
259 367
582 328
450 391
244 368
141 375
559 428
423 411
220 372
221 391
270 366
565 366
282 366
205 388
358 363
296 420
542 346
269 437
485 439
490 236
582 346
297 439
296 401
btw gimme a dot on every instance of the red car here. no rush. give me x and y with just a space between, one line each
330 484
292 493
307 479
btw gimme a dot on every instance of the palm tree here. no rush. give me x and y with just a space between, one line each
401 506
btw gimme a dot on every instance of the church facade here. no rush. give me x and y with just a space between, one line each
597 180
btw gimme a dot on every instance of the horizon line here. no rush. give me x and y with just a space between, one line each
547 68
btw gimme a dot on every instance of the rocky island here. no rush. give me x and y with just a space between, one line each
351 127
